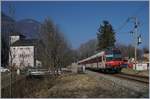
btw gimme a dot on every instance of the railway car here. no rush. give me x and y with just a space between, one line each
108 60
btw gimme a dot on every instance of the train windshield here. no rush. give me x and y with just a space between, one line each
113 55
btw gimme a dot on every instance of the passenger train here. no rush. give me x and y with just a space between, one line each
107 60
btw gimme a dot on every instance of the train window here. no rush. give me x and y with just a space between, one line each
109 58
108 52
116 52
119 59
112 52
117 55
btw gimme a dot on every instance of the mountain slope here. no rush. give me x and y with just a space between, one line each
28 27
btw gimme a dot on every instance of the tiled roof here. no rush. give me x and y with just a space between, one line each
25 42
17 34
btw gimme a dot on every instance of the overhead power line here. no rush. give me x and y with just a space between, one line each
137 12
122 26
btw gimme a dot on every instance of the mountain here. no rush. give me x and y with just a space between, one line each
6 25
6 18
28 27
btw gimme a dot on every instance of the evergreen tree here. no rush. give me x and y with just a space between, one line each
106 36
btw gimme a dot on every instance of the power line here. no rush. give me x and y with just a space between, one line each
122 26
137 12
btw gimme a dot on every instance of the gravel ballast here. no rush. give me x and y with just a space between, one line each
121 85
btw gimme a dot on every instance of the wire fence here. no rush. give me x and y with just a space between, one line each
26 86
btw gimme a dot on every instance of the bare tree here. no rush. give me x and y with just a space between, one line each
87 49
64 52
145 49
22 60
12 55
53 46
128 51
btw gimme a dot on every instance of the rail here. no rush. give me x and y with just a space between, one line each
133 77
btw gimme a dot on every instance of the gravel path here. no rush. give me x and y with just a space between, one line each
116 84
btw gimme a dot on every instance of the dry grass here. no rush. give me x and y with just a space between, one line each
82 86
85 86
73 85
131 71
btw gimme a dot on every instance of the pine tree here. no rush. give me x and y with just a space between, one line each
106 36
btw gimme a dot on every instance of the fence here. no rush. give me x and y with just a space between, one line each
141 66
10 83
20 86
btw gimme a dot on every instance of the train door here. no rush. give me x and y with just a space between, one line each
103 61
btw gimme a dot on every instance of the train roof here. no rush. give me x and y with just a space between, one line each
92 57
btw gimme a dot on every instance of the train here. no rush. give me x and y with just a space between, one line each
106 60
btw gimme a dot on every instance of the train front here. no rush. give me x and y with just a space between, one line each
113 60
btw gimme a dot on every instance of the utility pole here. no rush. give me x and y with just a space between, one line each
136 37
136 41
11 25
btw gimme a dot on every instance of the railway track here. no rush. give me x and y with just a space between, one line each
131 77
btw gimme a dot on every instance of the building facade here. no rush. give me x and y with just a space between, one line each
22 52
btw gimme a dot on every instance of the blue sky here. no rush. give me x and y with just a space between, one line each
80 20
